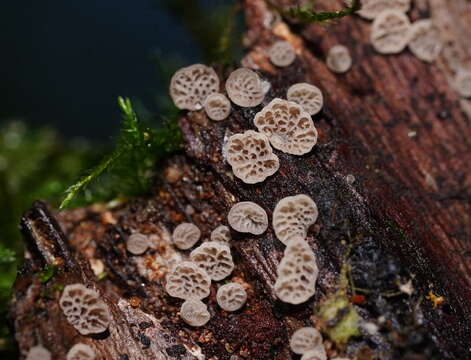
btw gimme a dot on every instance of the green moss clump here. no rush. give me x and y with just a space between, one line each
307 14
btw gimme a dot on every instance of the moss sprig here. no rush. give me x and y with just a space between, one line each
307 14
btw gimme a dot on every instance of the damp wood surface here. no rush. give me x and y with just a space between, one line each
393 122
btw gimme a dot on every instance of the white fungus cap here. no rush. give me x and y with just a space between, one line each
315 354
251 157
231 296
390 32
186 235
288 127
338 59
221 234
38 352
84 309
187 280
217 107
194 312
137 244
81 352
248 217
370 9
282 54
215 258
245 88
307 95
297 273
293 216
425 41
462 82
190 86
305 339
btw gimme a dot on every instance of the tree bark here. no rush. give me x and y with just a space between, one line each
393 122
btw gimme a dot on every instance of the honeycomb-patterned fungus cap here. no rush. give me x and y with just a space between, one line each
214 258
81 352
297 273
315 354
187 280
231 296
390 32
425 41
462 82
221 234
217 107
305 339
245 88
338 59
84 309
282 54
308 96
292 217
38 352
251 157
137 244
190 86
288 127
194 312
248 217
186 235
370 9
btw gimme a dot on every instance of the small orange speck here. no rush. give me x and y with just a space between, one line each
435 299
134 301
358 299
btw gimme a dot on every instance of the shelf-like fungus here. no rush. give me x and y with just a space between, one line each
187 280
292 217
282 54
38 352
217 106
338 59
390 32
370 9
194 312
315 354
186 235
231 297
462 82
137 244
305 339
215 258
308 96
248 217
81 352
251 157
245 88
190 86
84 309
288 127
221 234
425 41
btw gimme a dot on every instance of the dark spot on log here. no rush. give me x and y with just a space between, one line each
176 351
144 325
123 357
144 340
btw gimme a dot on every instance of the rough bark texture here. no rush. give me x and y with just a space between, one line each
406 216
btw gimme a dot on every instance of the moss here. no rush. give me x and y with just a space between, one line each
47 273
307 14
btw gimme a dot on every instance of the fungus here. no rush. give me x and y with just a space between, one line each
186 235
215 258
338 59
84 309
315 354
390 32
305 339
425 41
221 234
81 352
187 281
217 107
137 244
231 297
245 88
38 352
251 157
282 54
462 82
370 9
292 217
248 217
288 127
194 312
297 273
190 86
307 95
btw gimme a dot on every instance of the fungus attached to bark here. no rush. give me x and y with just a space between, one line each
248 217
308 96
190 86
245 88
217 107
187 280
84 309
282 54
390 32
338 59
137 244
186 235
315 354
194 312
370 9
221 234
462 82
305 339
251 157
425 41
214 258
288 127
38 352
292 217
81 352
231 297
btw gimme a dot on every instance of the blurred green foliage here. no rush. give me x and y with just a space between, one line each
306 14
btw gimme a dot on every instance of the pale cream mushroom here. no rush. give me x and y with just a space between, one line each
338 59
390 32
81 352
248 217
187 280
215 258
217 107
186 235
305 339
282 54
231 296
425 41
245 88
38 352
221 234
137 244
307 95
462 82
315 354
194 312
370 9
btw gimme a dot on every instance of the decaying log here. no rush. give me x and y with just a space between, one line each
392 122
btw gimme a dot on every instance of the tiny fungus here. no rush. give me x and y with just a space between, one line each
390 32
282 54
38 352
315 354
338 59
186 235
248 217
217 106
221 234
305 339
245 88
194 312
462 82
187 280
81 352
425 41
137 244
308 96
231 297
215 258
370 9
